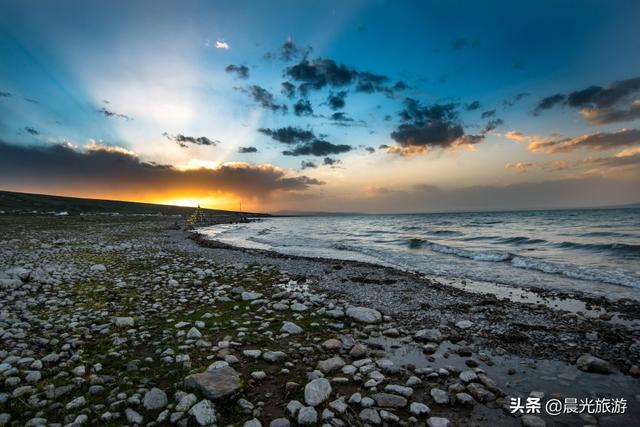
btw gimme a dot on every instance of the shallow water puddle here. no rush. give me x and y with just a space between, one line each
556 379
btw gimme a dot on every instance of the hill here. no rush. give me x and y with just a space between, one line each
13 202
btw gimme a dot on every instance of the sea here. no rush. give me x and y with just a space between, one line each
596 251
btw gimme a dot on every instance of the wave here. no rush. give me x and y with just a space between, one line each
416 243
521 240
445 233
615 277
606 234
622 248
488 256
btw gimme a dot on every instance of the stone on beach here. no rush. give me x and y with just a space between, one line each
364 314
317 391
215 384
589 363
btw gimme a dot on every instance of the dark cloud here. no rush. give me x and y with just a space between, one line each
55 168
302 108
32 131
288 89
370 149
472 106
328 161
516 98
601 105
33 101
400 86
487 114
5 94
243 150
518 65
370 83
289 134
289 51
336 100
307 164
602 116
241 71
317 147
263 97
340 117
425 127
547 103
184 141
320 73
492 124
109 113
599 97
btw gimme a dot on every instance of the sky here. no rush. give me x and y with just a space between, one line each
340 106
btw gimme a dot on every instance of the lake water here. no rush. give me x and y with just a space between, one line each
594 250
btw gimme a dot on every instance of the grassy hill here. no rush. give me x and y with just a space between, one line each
12 202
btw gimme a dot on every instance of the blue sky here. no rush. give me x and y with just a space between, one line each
139 76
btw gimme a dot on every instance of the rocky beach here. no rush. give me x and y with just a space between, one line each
137 320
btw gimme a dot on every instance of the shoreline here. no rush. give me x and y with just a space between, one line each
578 302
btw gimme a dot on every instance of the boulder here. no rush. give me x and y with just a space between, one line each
215 384
364 315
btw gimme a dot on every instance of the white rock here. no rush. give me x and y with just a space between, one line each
317 391
204 412
155 399
307 415
291 328
124 321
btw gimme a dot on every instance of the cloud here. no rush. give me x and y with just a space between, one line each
289 134
221 44
263 97
486 114
598 141
32 101
317 147
328 161
241 71
289 51
5 94
370 83
472 106
603 116
370 149
183 140
109 113
288 89
547 103
618 102
32 131
244 150
336 100
426 127
57 168
492 124
306 164
320 73
302 108
519 166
